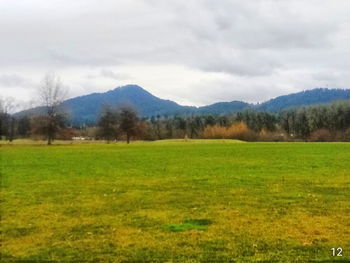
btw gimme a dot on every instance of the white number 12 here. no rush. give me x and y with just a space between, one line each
337 252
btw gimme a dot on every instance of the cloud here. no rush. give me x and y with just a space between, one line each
114 75
193 46
12 80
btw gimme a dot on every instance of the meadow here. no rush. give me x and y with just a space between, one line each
175 201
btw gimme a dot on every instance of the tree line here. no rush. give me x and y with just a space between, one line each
314 123
329 122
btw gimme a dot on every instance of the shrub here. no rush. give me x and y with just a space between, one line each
268 136
67 134
343 136
321 135
238 130
346 135
214 132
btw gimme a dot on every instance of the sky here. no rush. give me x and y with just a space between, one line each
195 52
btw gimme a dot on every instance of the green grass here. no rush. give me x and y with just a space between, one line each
175 201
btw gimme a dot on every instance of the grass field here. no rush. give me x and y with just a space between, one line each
175 201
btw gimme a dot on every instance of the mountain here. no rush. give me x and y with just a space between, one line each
86 109
304 98
223 107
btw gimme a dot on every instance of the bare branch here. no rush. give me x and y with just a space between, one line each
51 95
7 105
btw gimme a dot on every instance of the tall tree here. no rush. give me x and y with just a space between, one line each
23 126
108 124
7 120
128 121
51 95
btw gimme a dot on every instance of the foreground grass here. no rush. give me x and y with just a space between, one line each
182 201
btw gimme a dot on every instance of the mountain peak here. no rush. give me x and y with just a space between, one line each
130 88
86 109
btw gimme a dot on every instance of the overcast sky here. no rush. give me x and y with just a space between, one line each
194 52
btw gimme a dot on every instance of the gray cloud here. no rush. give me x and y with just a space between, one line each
12 80
114 75
258 45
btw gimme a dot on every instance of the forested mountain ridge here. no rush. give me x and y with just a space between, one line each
304 98
223 107
86 109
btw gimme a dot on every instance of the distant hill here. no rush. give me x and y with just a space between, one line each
223 107
304 98
86 109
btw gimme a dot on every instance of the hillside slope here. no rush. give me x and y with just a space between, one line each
86 109
304 98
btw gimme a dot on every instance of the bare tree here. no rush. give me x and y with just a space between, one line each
7 105
7 120
51 95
